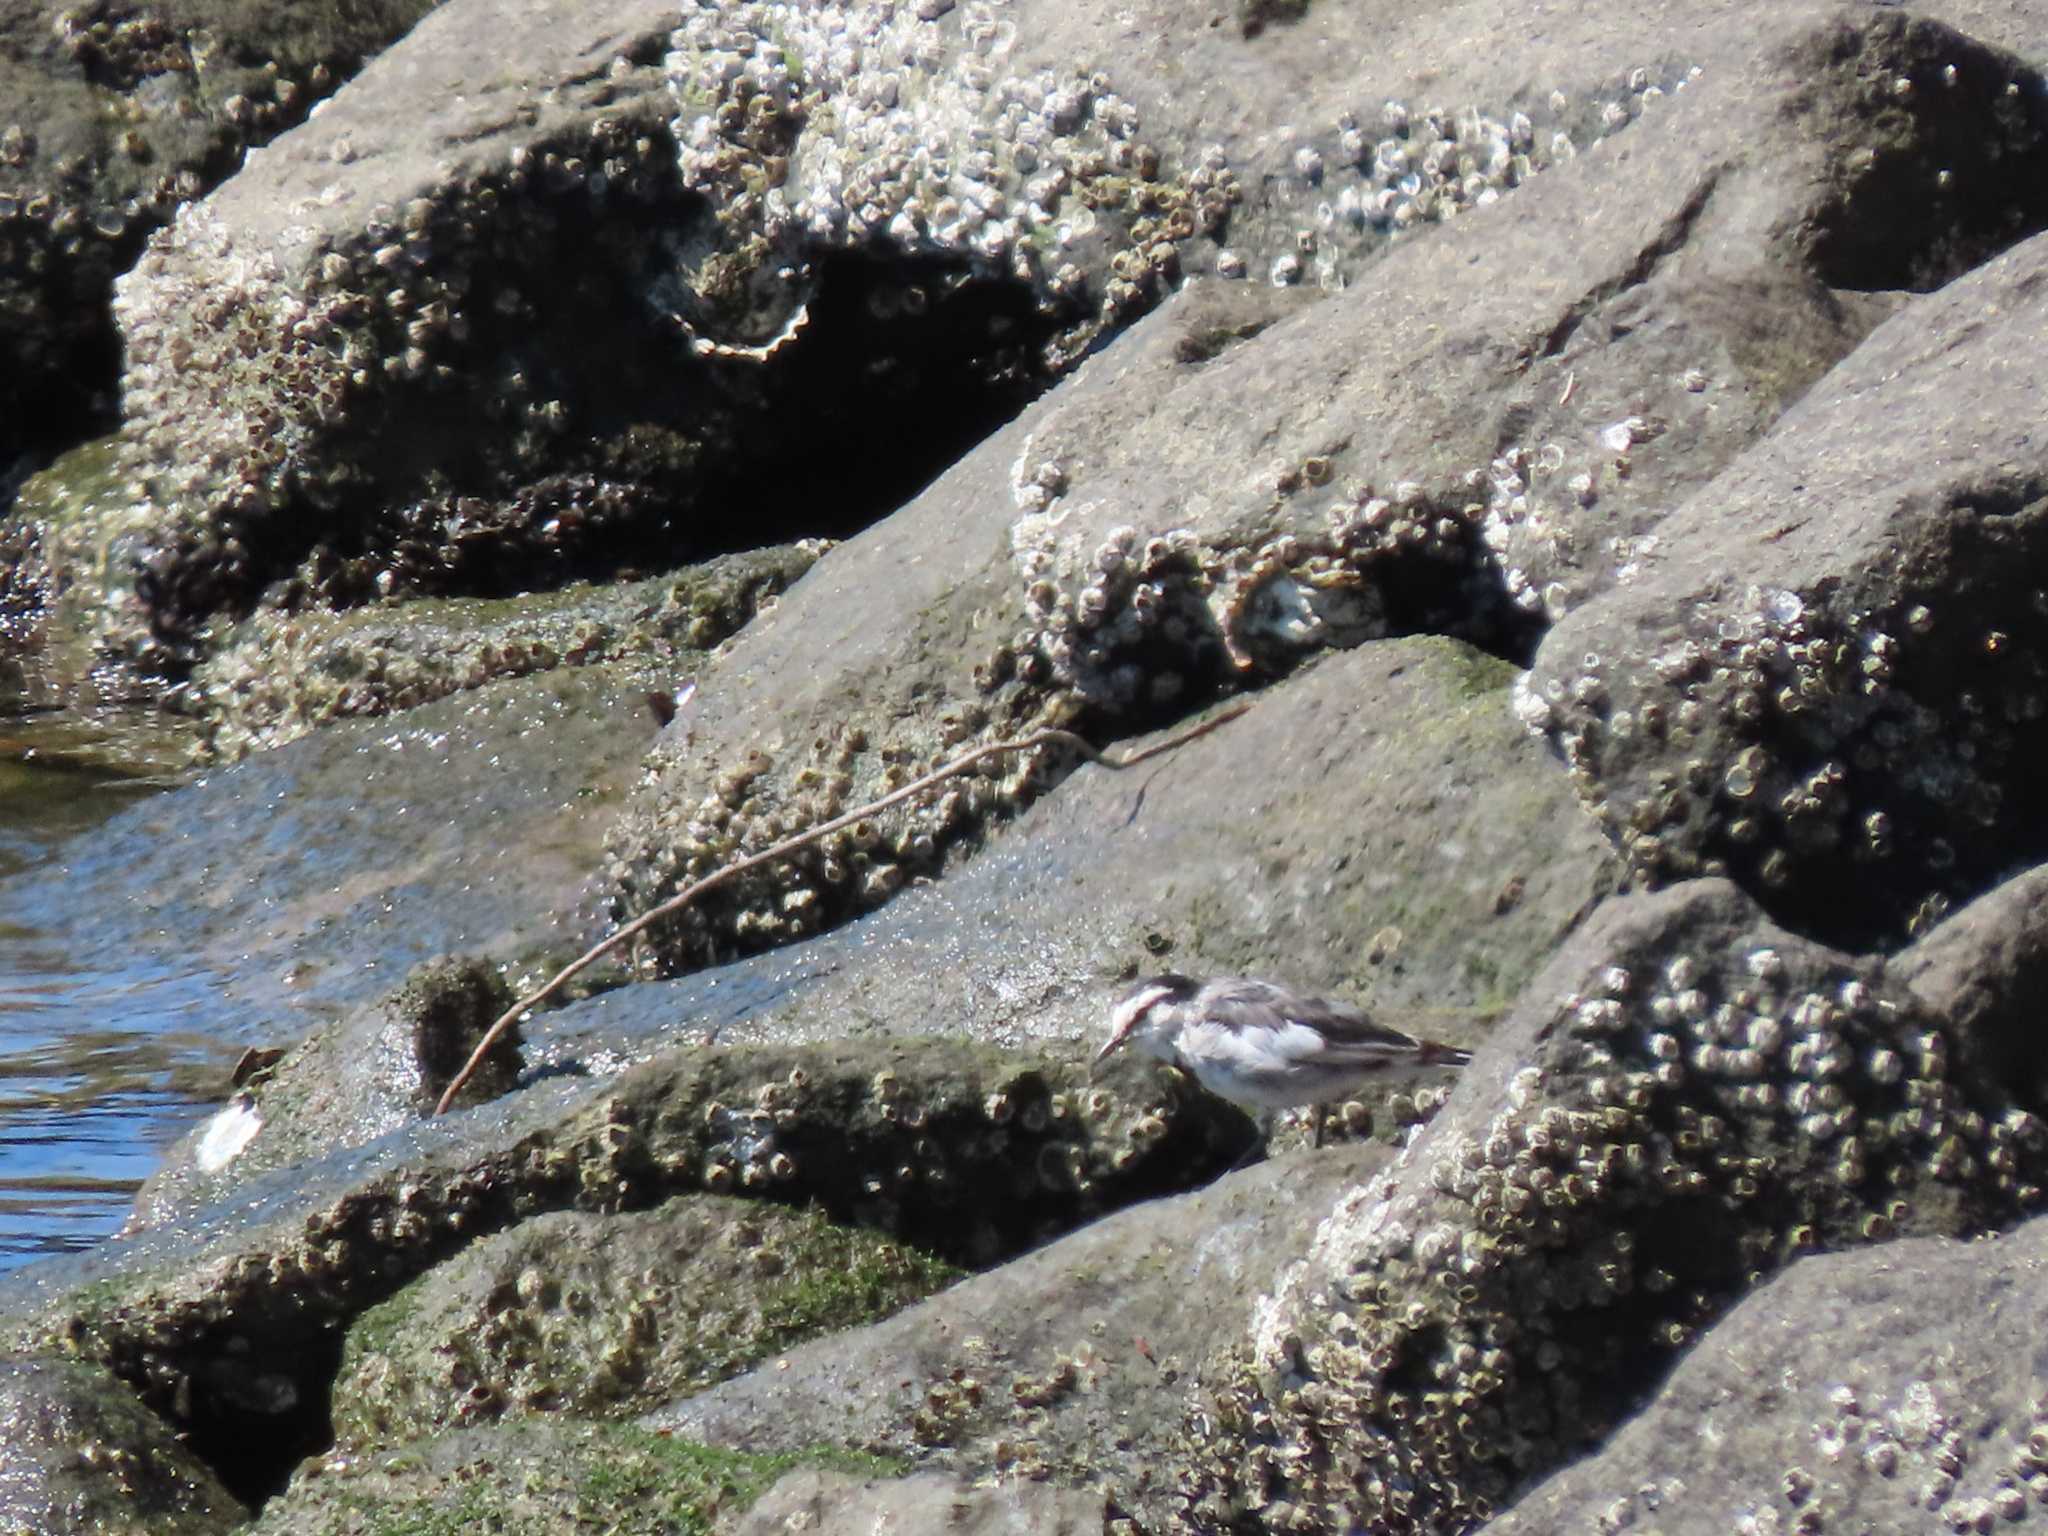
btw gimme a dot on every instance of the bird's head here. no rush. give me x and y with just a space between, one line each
1148 1012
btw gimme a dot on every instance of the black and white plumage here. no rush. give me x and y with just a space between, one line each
1264 1046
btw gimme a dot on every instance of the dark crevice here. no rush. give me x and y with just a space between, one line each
1941 155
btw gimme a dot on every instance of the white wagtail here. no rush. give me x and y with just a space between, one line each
1267 1047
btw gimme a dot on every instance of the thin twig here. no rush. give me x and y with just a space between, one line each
1049 737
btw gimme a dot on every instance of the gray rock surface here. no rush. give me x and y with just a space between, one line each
229 1319
835 1504
1826 679
1896 1391
543 297
80 1456
1076 1363
1485 430
1984 971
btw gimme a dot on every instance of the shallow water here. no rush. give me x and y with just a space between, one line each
102 1059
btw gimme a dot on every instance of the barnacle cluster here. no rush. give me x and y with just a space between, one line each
594 1316
1536 499
848 125
1928 1450
1696 1115
280 676
290 346
1804 738
1371 176
1126 627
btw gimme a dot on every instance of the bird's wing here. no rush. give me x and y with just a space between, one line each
1349 1035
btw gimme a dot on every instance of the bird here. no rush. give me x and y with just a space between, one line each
1264 1046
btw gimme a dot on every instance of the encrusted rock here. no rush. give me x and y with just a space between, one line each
836 1504
1685 1102
594 1316
1897 1391
1072 1364
79 1456
1828 681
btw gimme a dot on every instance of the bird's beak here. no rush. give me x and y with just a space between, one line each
1110 1046
1431 1053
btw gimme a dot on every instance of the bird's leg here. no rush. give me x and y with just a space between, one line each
1316 1115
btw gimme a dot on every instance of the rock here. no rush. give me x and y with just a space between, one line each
1074 1363
229 1321
591 1316
1827 679
278 677
545 1475
115 117
1398 838
79 1455
1894 1391
835 1504
1485 430
467 827
1687 1100
1984 971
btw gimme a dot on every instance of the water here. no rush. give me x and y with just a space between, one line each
103 1058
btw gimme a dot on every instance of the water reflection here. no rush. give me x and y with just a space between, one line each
102 1059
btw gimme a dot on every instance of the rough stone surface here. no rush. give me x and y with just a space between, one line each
597 1316
1485 430
1685 1101
227 1321
1984 970
1895 1391
836 1504
570 1477
111 118
1074 1363
1828 678
1400 841
80 1456
276 677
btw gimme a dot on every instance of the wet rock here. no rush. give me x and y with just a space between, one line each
79 1454
1686 1101
310 881
1074 1363
1484 431
116 116
527 1476
595 1316
1842 1396
1827 681
229 1321
836 1504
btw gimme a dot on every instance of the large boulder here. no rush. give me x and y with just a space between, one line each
1686 1101
1827 679
1896 1391
114 117
1073 1364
